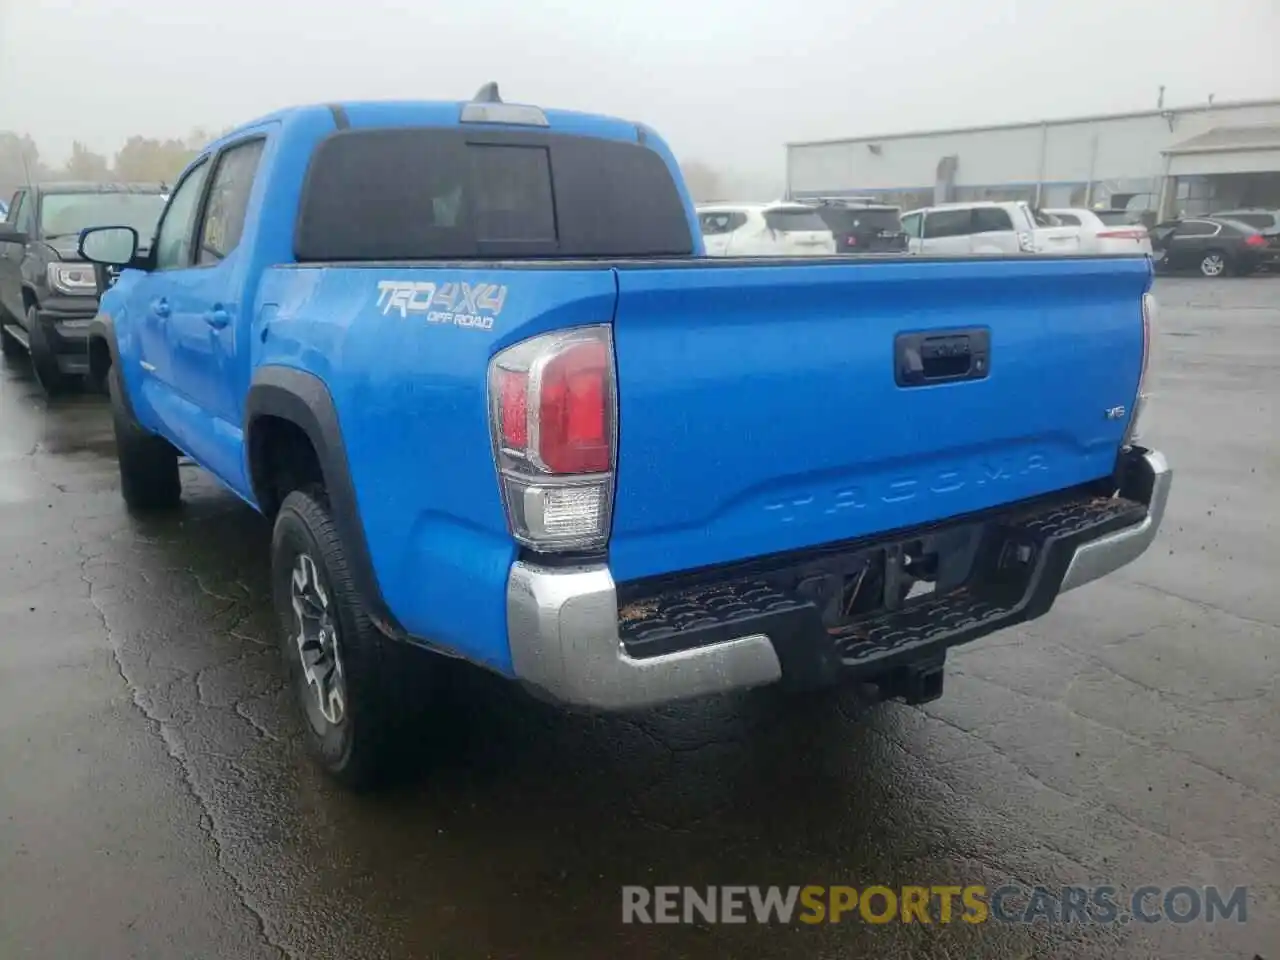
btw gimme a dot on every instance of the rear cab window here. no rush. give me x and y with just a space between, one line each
795 219
445 193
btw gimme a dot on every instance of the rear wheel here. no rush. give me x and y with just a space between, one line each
1213 263
149 477
43 360
349 681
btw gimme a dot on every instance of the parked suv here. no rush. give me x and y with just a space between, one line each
764 230
961 229
48 294
862 226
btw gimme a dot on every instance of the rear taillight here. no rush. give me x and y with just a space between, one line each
850 241
1122 235
553 416
1134 431
1255 240
1026 243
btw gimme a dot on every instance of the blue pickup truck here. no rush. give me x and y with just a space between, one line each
469 359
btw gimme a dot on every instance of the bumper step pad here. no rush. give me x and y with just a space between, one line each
1045 536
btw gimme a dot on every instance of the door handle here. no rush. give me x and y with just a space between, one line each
217 318
160 308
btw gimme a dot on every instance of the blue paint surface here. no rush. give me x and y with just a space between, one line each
757 405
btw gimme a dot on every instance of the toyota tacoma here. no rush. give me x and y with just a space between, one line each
471 362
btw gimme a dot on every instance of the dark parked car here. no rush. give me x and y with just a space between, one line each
48 294
1263 220
862 226
1213 246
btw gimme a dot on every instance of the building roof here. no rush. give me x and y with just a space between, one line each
1058 121
1249 136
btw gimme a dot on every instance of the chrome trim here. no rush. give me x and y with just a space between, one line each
1113 551
562 624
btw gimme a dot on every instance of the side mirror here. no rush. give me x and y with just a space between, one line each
109 246
11 234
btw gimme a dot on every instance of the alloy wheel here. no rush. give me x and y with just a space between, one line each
316 636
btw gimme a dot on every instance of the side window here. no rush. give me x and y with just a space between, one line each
716 223
1067 219
912 223
14 204
1196 228
228 200
990 220
25 217
173 242
947 223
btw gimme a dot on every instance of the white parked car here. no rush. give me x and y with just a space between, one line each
985 227
764 230
1105 231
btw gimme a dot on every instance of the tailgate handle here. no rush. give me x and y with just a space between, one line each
941 356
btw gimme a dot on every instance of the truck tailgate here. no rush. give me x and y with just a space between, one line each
765 406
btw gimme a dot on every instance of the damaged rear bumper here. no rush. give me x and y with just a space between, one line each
569 641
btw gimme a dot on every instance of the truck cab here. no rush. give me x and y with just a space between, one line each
48 293
472 363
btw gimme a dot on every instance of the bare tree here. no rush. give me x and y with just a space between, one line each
703 182
85 164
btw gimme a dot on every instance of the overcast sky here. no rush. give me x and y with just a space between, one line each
725 81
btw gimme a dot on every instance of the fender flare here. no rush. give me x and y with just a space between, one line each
302 399
102 327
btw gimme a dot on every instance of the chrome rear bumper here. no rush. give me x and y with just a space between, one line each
563 622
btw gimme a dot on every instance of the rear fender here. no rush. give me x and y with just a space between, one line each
302 399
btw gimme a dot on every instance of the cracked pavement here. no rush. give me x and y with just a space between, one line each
154 801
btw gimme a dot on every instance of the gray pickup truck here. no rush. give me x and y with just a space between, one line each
48 294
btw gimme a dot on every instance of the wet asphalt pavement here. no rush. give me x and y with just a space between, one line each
154 801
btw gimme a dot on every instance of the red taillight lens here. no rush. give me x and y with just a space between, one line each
1255 240
574 430
513 408
553 416
1123 234
851 241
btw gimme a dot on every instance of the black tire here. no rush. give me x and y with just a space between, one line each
149 477
356 745
8 344
43 360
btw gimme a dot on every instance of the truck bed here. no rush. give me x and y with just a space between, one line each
761 406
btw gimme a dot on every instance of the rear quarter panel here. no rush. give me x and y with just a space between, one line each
410 394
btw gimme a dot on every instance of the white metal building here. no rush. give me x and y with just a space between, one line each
1183 160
